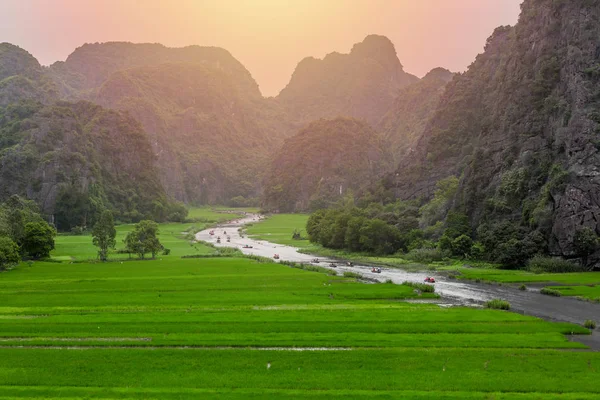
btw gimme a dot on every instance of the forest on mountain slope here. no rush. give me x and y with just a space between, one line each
72 158
506 166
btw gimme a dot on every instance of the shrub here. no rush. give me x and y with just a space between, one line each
523 287
585 242
350 274
539 264
477 251
422 287
590 324
461 246
426 256
9 253
550 292
498 304
166 252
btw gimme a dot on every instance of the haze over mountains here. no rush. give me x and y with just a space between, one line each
140 125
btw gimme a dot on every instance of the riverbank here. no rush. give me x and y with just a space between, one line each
279 228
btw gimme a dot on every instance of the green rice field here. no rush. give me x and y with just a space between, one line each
239 329
174 236
279 228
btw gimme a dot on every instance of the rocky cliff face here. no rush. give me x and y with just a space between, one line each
77 149
403 124
520 127
22 77
209 126
322 162
361 84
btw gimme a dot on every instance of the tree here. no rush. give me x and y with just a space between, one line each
38 241
585 242
457 224
378 237
143 239
104 234
461 246
9 253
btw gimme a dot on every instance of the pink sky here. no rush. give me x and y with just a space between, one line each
268 36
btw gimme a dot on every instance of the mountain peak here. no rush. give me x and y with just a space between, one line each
439 73
377 47
17 61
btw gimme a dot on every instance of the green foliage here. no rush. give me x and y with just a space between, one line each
38 240
350 274
510 244
550 292
540 264
461 246
323 162
9 253
585 243
73 208
104 234
498 304
144 239
376 236
477 251
457 224
421 287
590 324
436 209
15 213
426 255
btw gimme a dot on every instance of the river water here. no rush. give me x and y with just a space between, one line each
452 291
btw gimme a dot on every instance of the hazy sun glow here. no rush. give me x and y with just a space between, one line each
268 36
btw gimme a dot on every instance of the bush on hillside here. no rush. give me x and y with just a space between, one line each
540 264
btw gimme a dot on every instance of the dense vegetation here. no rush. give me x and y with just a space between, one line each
431 231
188 328
519 130
23 232
322 162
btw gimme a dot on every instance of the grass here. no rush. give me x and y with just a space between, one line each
279 229
175 236
422 287
225 327
497 304
591 292
215 214
550 292
589 324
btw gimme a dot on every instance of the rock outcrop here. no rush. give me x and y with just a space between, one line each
361 84
520 127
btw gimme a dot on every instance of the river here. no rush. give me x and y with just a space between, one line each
452 291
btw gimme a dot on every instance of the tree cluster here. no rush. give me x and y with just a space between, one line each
23 232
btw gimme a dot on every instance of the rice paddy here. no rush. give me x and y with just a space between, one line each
236 328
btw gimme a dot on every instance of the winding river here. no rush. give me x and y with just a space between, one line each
452 291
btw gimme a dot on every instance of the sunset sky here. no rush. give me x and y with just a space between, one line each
268 36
